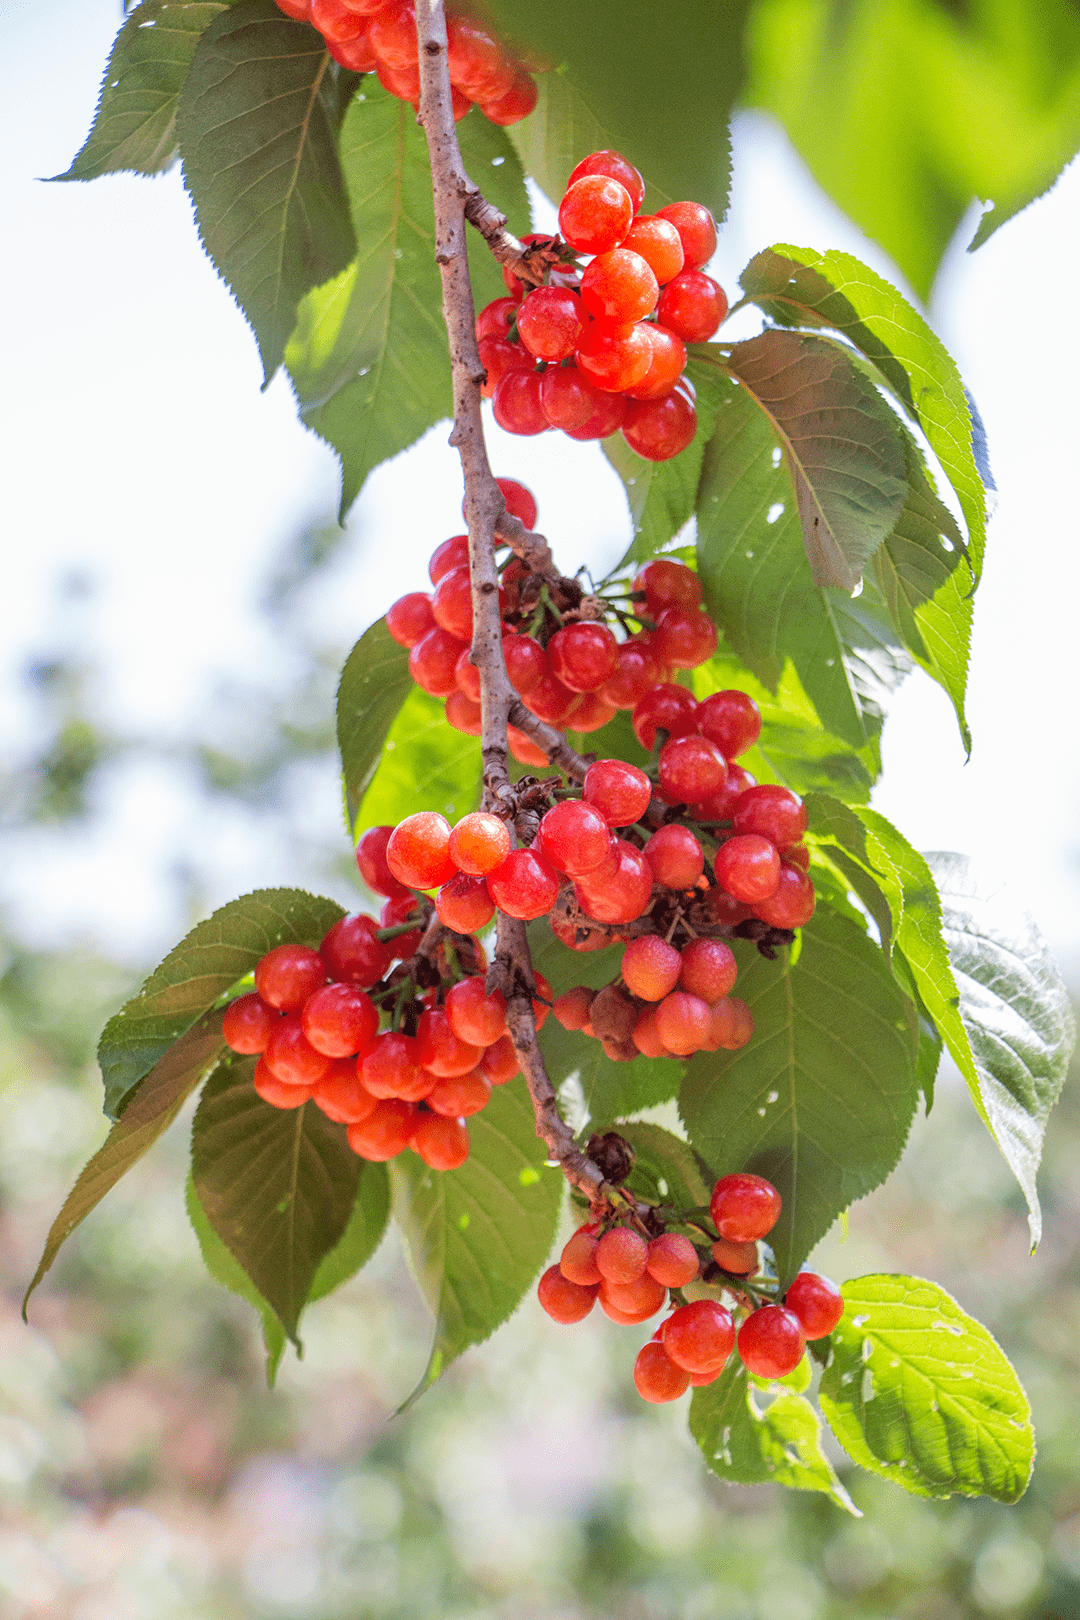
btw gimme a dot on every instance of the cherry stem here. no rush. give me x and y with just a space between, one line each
456 199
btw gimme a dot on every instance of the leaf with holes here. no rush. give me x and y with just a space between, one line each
748 1439
822 1098
478 1236
374 684
217 954
134 125
258 123
369 356
164 1091
918 1391
426 764
278 1186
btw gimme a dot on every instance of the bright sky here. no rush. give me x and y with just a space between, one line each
141 453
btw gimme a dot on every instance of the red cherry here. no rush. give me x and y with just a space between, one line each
666 365
744 1207
354 54
816 1301
792 905
578 1259
499 1063
339 1020
433 662
574 837
385 1132
371 859
636 672
720 806
614 358
621 1255
276 1092
731 1024
659 243
464 903
452 603
499 357
621 792
287 975
474 1014
525 885
650 967
442 1143
522 749
290 1056
463 714
646 1037
248 1024
453 553
668 583
418 851
568 400
672 1260
609 415
352 955
693 305
667 708
341 1095
550 700
478 64
615 167
495 318
699 1337
707 969
749 868
682 1023
518 102
479 843
516 404
460 1096
410 618
675 856
697 231
550 321
583 656
526 662
622 897
684 637
393 34
732 720
403 908
595 213
771 1342
391 1068
691 769
335 22
564 1301
402 82
571 1009
520 501
774 812
741 1259
617 286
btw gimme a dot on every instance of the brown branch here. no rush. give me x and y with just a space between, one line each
533 549
553 743
484 506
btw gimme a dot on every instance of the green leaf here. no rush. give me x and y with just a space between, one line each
919 1392
207 962
374 684
426 765
369 356
842 444
821 1099
598 97
759 589
666 1168
799 286
227 1270
478 1236
662 494
1012 1032
147 1116
748 1440
135 123
609 1090
258 122
278 1186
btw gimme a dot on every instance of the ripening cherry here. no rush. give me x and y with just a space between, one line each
708 969
452 553
675 857
792 905
440 1050
618 286
335 22
518 102
402 82
391 1068
646 1036
433 662
247 1024
526 885
669 708
668 583
749 868
467 676
595 213
520 501
339 1020
593 714
287 975
475 1014
740 1259
574 837
693 305
517 406
458 1096
720 806
393 34
636 672
658 241
772 811
697 231
526 662
410 618
464 715
672 1260
564 1301
550 322
523 749
499 357
495 318
290 1056
341 1096
386 1132
657 429
276 1092
351 953
619 791
615 167
571 1009
550 700
442 1142
650 967
699 1337
816 1301
608 417
614 358
639 1299
732 720
684 637
691 769
744 1207
682 1022
477 62
623 897
621 1255
452 603
371 860
499 1063
666 365
771 1342
418 851
567 399
583 656
464 904
578 1259
731 1025
723 908
354 54
479 843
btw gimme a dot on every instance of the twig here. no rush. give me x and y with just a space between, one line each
553 743
484 511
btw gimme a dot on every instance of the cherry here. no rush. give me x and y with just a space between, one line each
657 429
697 231
639 1299
707 969
593 714
516 404
495 319
699 1337
550 321
693 305
290 1056
477 62
458 1096
574 837
657 240
525 885
499 1063
563 1300
744 1207
609 415
393 34
616 1314
731 1024
464 715
675 857
339 1020
351 953
248 1023
771 1342
391 1068
479 843
749 868
667 583
468 677
464 904
341 1096
645 1035
410 618
732 720
615 167
672 1260
526 662
386 1132
287 975
474 1014
335 22
442 1142
571 1009
402 908
617 286
403 82
621 792
499 357
650 967
433 662
276 1092
452 603
583 656
595 213
774 812
621 1255
636 672
550 700
741 1259
520 501
418 852
518 102
667 708
299 10
440 1050
354 54
798 855
691 769
682 1023
614 358
817 1302
720 806
523 748
792 905
578 1260
684 637
567 399
666 365
371 859
622 897
453 553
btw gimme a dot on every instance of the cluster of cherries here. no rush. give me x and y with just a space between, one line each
314 1021
631 1274
379 36
603 348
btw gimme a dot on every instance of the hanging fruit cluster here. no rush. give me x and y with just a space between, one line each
633 1266
379 36
602 348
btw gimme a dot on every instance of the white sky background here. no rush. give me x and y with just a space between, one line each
138 450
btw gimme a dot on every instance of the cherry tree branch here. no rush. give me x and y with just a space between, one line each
485 512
